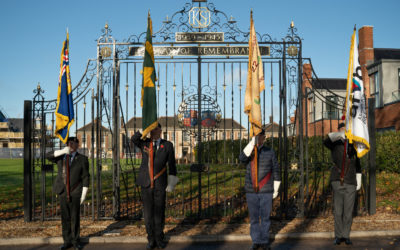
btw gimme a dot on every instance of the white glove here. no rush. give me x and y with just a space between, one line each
250 146
335 136
358 178
63 151
172 180
276 188
84 192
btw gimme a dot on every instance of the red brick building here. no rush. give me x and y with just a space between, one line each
381 77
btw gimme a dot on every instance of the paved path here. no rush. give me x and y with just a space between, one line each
385 243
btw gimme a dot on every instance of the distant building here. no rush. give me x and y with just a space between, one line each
271 129
11 137
381 76
84 135
321 110
384 75
183 142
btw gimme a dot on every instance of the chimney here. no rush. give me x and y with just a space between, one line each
366 53
307 75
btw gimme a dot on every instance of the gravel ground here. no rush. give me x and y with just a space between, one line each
18 228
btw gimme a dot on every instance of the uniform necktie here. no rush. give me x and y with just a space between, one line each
151 161
67 163
254 169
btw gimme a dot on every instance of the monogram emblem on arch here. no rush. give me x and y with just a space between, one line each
199 17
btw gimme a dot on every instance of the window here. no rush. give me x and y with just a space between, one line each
185 151
377 93
311 109
331 110
398 75
185 137
103 143
84 141
396 93
5 144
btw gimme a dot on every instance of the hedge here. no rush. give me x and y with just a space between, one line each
387 151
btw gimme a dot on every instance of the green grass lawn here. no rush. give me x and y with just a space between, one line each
11 183
230 180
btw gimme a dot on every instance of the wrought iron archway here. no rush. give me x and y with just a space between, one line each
188 65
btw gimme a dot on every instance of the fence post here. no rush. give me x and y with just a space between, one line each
27 161
372 157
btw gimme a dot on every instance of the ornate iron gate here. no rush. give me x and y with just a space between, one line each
201 65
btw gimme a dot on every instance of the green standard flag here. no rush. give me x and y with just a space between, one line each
148 100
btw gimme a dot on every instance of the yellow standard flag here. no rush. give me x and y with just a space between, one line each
255 83
356 117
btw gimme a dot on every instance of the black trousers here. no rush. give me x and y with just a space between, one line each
343 206
154 213
70 218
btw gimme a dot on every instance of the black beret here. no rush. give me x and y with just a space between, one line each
73 138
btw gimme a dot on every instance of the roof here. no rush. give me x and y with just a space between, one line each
274 127
163 121
88 127
3 117
170 119
228 124
330 83
380 54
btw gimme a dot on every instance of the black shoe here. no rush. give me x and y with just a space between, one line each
265 247
151 245
337 241
78 246
254 246
348 241
161 244
65 246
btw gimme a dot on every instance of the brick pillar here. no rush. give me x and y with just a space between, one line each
366 53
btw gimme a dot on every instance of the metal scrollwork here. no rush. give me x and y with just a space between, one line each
106 36
292 35
211 115
79 90
210 90
179 22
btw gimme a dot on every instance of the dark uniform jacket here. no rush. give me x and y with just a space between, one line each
267 163
352 161
79 174
163 156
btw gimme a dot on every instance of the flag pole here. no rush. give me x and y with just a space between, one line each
348 115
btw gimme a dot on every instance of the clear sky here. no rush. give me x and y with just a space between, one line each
32 33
